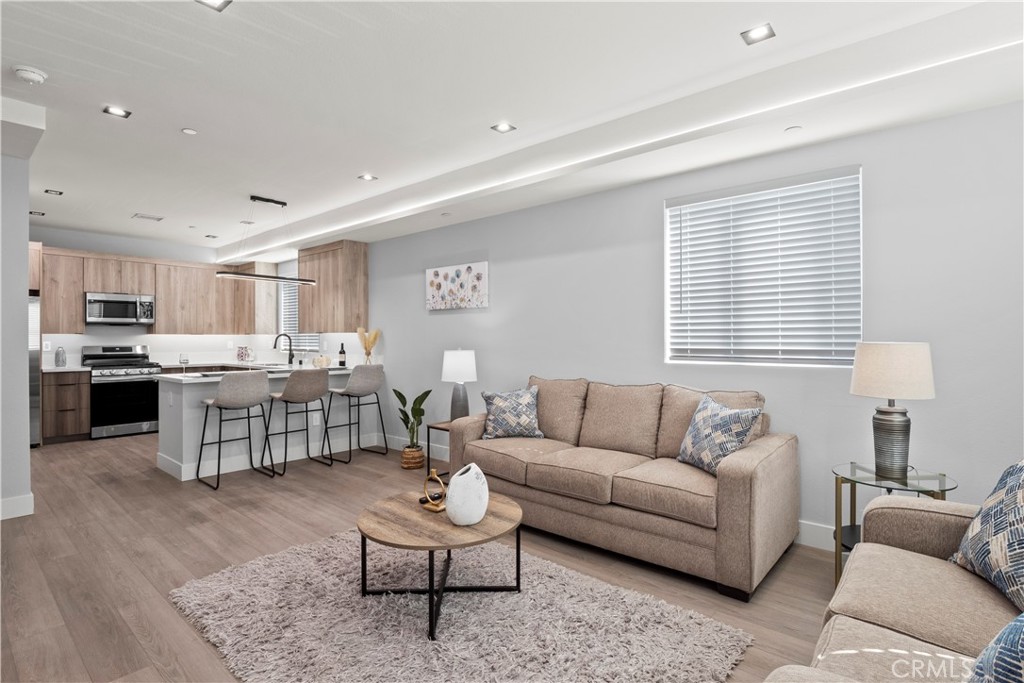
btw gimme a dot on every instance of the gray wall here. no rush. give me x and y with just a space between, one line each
15 473
577 290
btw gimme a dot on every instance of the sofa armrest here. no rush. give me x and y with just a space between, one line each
758 509
462 431
794 673
921 525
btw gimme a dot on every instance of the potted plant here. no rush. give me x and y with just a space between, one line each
412 454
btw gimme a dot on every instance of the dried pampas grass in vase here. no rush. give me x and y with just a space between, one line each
368 340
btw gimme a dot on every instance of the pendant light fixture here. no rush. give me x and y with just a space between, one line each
230 274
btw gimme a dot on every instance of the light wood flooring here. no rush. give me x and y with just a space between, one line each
85 579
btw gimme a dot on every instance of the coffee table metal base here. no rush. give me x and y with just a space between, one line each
436 589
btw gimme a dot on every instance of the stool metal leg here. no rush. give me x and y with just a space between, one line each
322 459
202 444
325 443
268 447
262 469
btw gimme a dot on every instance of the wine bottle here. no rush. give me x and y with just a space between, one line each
341 356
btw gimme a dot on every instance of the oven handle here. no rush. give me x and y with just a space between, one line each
123 378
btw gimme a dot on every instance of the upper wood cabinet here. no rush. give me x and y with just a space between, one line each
186 300
340 300
62 295
35 264
120 276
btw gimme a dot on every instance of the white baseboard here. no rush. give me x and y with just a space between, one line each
816 535
17 506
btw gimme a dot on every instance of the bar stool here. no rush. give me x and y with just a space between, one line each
237 391
302 388
364 381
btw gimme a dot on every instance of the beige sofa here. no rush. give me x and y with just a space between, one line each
606 474
902 611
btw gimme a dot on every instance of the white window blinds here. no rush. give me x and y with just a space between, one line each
288 309
772 276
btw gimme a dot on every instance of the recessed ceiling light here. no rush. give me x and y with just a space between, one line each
117 111
218 5
147 217
247 222
53 192
794 129
367 176
446 213
212 237
191 227
757 34
189 131
503 127
36 213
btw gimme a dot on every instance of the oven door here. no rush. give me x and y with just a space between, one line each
123 405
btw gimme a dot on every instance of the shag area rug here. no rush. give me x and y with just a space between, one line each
298 615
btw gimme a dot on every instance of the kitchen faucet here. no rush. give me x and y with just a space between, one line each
291 354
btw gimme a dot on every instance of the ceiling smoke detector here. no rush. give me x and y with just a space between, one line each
30 74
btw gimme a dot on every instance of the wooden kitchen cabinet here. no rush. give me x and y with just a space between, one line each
340 300
119 276
35 265
65 404
62 295
186 300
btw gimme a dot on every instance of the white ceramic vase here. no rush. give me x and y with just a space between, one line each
466 502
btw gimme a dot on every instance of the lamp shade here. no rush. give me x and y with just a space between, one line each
893 370
459 366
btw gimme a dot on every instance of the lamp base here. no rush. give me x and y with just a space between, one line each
460 402
891 428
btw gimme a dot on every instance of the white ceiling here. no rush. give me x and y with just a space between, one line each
293 100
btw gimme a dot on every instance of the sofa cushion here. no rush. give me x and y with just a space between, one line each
560 405
670 489
993 545
511 413
622 418
924 597
507 458
1002 660
866 652
680 403
583 473
715 432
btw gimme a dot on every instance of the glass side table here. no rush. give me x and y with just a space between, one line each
931 484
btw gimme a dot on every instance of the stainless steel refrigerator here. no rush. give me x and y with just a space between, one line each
33 370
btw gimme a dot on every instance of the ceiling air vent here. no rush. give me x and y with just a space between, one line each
147 217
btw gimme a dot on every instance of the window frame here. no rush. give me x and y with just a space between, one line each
727 354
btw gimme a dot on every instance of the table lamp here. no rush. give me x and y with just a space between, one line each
892 370
459 367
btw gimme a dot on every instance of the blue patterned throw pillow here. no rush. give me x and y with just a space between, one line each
511 413
1000 661
993 546
715 432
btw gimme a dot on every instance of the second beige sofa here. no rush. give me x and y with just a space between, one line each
605 473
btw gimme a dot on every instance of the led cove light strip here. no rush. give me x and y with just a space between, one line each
595 157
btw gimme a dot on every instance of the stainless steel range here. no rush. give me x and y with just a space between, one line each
124 390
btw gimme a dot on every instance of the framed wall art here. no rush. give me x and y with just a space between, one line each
460 286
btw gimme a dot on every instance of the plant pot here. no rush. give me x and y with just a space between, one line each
412 458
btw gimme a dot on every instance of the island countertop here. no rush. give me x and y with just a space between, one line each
274 371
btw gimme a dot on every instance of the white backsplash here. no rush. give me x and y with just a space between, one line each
202 349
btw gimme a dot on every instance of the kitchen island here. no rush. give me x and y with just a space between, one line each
181 424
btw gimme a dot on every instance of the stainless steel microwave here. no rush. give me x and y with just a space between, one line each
120 309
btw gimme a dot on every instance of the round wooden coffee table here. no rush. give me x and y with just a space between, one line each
401 522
